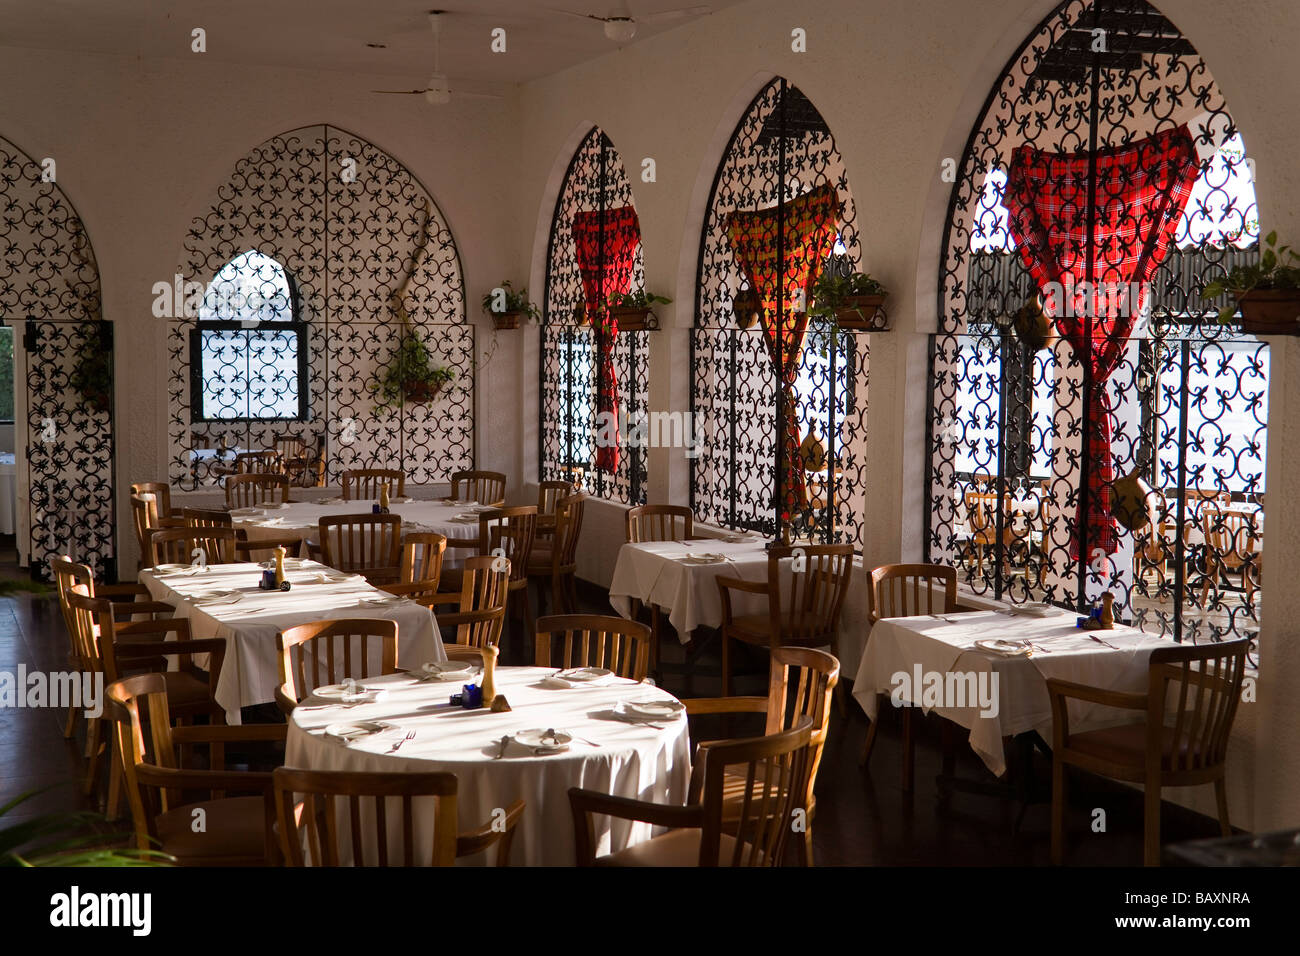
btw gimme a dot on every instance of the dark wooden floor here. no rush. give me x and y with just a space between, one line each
863 819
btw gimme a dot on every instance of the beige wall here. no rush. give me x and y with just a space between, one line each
900 83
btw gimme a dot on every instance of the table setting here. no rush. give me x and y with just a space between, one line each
594 729
227 601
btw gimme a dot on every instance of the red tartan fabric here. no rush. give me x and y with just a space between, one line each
1141 190
783 288
606 242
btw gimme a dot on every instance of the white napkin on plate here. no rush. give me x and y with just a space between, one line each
558 682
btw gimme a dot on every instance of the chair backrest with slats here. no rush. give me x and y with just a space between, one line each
568 530
774 769
908 590
361 484
1230 533
161 491
67 575
804 602
330 652
124 700
801 682
207 518
1193 691
509 533
422 554
144 516
485 487
549 494
253 489
594 640
483 590
263 462
367 543
342 815
177 545
659 523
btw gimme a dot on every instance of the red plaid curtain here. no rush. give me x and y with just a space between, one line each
783 286
1141 190
606 242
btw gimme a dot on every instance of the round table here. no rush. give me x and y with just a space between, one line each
608 754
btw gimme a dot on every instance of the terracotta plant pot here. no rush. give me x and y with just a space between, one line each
418 392
862 313
506 320
1271 311
580 317
634 319
1034 327
745 307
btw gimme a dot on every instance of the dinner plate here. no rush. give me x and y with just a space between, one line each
382 600
465 518
557 741
169 568
246 512
447 670
654 709
1034 609
215 597
702 558
584 674
1004 648
353 694
356 730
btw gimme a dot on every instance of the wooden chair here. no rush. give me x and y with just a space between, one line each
808 613
177 545
421 569
368 544
1190 703
265 462
485 487
237 830
145 518
660 523
549 494
982 519
162 493
906 590
330 652
1232 546
502 533
481 603
556 558
593 640
245 550
303 463
249 490
700 834
325 810
801 684
363 483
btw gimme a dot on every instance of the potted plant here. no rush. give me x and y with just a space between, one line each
1033 326
508 307
411 376
580 317
849 302
632 310
1267 293
745 307
93 374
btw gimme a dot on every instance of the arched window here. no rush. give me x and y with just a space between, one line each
780 215
593 375
251 354
1076 363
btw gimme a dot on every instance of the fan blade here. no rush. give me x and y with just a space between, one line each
400 92
675 14
580 16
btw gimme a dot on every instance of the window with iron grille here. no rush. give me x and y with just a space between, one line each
1103 187
594 252
779 162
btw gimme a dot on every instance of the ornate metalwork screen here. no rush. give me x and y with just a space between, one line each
354 232
49 277
780 171
594 250
1104 186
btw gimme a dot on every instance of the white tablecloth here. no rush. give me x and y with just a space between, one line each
302 520
251 673
633 760
7 493
654 573
935 646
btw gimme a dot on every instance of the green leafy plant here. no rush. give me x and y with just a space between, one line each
411 375
70 838
640 299
1278 269
831 292
512 301
93 374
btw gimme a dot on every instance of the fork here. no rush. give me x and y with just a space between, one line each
397 746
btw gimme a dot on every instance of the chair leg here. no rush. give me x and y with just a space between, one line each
70 728
656 635
909 748
1221 798
869 744
93 728
1151 825
1058 810
113 809
726 663
805 846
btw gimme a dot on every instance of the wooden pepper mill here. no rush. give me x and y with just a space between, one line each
383 498
1107 611
279 566
489 682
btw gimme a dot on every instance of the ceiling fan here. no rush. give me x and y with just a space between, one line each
620 25
438 91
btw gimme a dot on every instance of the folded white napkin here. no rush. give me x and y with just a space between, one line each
558 682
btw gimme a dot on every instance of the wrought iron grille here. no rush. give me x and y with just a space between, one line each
353 230
781 154
49 277
1019 405
595 190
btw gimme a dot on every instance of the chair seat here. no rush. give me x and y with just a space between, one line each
235 830
1126 744
674 848
757 628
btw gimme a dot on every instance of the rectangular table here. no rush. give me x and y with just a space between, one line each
653 573
945 645
251 670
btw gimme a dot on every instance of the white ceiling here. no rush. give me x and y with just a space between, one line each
332 34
